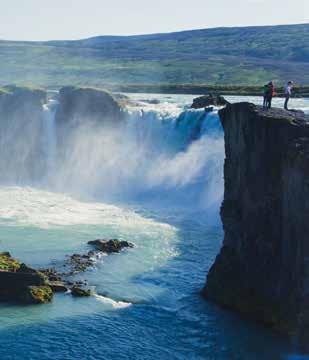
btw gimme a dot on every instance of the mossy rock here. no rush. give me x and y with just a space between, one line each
7 263
79 292
38 295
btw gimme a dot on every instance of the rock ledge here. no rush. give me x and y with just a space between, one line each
262 270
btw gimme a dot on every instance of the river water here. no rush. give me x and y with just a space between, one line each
158 183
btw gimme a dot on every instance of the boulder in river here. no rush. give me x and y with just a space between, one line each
37 295
58 286
77 291
20 283
110 246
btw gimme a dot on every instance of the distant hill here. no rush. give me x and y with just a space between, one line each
243 55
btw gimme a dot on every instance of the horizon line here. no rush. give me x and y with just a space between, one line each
157 33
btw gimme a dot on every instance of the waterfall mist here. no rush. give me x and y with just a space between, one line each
169 159
154 156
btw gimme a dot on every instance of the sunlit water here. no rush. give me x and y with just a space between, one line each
158 185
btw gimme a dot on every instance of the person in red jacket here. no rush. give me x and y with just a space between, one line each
270 94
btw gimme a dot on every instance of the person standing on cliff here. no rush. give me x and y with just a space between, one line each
270 94
287 93
265 94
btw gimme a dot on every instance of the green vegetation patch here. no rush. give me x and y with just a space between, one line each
245 56
40 294
7 263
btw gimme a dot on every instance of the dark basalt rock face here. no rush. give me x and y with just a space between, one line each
262 270
78 105
208 100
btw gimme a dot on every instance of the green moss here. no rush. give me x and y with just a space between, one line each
7 263
79 292
40 294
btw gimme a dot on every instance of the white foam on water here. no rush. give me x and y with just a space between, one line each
113 303
44 209
65 225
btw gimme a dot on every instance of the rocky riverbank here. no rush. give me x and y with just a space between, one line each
20 283
262 270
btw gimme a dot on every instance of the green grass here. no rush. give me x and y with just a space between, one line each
234 56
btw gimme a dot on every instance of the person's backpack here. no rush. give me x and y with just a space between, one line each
265 90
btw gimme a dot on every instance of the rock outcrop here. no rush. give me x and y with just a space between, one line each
16 99
208 100
22 284
110 246
19 283
262 270
78 105
80 292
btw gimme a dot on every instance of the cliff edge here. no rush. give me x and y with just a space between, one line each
77 105
262 270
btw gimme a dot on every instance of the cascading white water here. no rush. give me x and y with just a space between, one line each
163 153
49 126
182 155
160 154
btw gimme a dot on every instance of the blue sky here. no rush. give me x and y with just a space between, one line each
75 19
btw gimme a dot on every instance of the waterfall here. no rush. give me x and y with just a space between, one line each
182 157
157 155
50 136
161 153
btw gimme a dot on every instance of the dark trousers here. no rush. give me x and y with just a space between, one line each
265 102
287 98
268 103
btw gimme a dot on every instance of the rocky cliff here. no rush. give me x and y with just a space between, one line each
77 105
262 270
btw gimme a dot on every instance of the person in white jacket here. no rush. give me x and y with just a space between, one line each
287 93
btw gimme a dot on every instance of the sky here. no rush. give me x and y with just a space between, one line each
77 19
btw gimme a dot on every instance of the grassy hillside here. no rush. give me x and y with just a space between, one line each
242 56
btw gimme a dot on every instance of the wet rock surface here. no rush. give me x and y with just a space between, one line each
37 295
110 246
206 101
21 283
78 263
262 270
77 291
